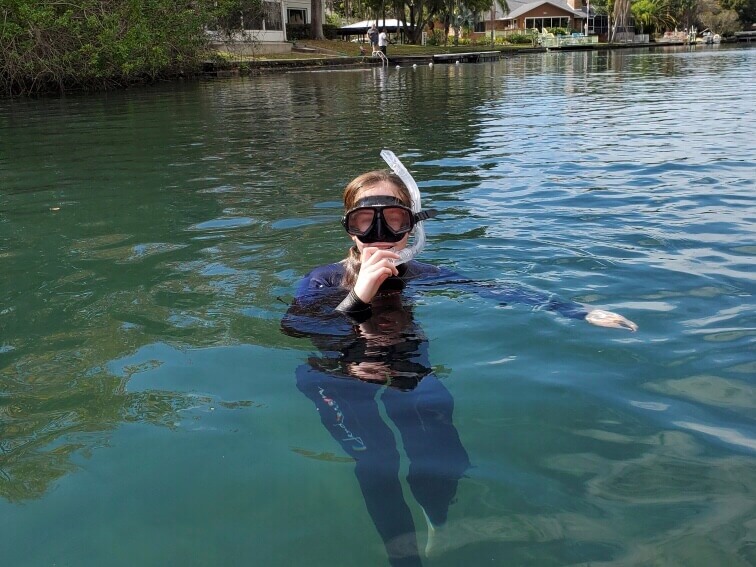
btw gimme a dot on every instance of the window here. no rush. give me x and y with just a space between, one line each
269 18
273 16
541 23
296 16
266 16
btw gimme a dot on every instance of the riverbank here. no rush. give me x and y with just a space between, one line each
313 55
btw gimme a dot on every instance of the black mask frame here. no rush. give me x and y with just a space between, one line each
379 230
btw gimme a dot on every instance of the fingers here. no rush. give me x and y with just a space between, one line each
377 254
376 267
603 318
373 257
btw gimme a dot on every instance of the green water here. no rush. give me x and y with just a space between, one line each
150 240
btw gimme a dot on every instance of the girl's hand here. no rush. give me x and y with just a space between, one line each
608 319
376 267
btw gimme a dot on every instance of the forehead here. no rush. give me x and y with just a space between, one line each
380 189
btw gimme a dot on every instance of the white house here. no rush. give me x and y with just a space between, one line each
268 33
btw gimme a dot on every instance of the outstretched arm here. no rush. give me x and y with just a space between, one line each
506 293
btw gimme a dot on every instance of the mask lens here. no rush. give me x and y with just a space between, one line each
374 223
359 221
398 219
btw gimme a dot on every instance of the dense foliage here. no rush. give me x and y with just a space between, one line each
54 45
652 15
296 32
418 15
721 16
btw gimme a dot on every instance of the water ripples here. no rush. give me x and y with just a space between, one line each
151 239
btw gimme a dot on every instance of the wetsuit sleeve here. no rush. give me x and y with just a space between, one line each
356 309
508 293
316 310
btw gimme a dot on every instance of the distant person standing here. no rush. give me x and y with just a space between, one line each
373 37
383 40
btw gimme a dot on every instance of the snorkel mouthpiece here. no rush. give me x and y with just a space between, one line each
408 253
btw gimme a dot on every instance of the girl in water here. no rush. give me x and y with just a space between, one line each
379 219
358 313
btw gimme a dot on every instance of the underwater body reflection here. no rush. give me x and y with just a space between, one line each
383 362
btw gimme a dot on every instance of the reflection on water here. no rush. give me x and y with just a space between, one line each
380 367
150 241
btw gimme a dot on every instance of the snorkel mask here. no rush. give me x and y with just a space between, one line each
386 219
381 218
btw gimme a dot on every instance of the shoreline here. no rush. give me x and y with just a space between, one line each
215 69
223 69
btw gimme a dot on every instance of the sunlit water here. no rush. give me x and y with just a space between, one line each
151 239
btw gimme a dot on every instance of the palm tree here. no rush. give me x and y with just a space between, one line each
653 14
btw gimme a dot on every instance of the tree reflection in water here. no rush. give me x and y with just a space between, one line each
46 417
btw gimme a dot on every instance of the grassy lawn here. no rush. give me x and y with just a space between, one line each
351 49
292 55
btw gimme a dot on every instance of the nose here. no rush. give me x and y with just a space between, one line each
380 229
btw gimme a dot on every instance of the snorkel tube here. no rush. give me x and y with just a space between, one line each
408 253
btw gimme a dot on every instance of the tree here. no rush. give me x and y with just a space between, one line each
316 23
718 19
621 17
416 15
746 9
602 7
50 45
421 14
683 12
653 15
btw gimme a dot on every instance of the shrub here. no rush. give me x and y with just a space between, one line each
436 37
520 38
48 45
329 31
296 32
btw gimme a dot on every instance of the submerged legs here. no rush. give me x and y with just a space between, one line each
349 411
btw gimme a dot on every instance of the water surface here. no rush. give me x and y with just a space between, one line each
151 239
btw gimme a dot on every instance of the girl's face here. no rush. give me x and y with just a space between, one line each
381 189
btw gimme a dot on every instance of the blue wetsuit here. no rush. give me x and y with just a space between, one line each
315 293
376 351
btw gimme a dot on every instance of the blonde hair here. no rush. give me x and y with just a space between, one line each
352 194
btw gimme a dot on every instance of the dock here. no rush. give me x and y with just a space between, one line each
567 42
471 57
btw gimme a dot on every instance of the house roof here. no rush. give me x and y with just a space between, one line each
517 12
